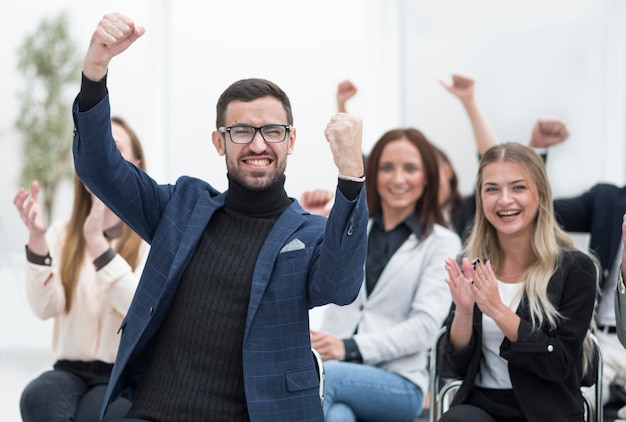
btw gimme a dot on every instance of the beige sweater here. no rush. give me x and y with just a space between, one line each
89 331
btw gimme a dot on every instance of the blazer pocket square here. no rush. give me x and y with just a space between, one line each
294 245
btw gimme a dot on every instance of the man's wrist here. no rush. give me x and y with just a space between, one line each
621 288
350 188
359 179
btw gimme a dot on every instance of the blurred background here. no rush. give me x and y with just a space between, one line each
564 58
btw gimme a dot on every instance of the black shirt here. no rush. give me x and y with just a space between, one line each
381 245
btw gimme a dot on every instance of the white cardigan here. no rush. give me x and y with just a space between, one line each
90 330
398 323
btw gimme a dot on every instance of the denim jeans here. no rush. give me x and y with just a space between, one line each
61 396
366 393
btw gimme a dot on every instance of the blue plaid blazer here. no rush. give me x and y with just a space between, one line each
306 261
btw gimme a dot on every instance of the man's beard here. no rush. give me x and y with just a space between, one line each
254 181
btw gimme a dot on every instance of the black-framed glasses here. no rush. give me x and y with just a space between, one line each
244 134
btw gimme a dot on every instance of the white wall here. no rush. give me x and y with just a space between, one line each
562 57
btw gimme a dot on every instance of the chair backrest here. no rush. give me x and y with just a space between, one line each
594 408
437 382
442 389
319 366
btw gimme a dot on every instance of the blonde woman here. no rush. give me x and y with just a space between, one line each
523 301
83 273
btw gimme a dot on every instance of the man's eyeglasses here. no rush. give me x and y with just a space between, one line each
244 134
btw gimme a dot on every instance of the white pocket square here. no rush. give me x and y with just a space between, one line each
294 245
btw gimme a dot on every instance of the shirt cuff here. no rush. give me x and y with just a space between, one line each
353 354
38 259
91 92
104 259
349 188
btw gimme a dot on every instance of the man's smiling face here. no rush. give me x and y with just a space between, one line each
258 164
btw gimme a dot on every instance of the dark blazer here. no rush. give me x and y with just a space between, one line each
599 212
545 365
306 261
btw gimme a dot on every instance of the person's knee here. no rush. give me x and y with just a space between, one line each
340 412
53 391
36 392
35 401
28 397
332 376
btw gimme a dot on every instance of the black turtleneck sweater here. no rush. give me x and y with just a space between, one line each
196 372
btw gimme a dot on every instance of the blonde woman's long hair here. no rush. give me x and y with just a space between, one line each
74 248
548 241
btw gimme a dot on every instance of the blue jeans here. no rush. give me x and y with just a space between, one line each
61 396
366 393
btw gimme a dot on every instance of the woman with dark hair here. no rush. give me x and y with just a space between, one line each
458 211
376 348
83 273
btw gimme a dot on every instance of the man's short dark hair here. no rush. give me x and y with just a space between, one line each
249 90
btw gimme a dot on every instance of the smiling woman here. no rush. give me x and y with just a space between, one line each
377 346
519 325
509 201
82 273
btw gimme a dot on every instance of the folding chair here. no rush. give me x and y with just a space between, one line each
440 388
594 409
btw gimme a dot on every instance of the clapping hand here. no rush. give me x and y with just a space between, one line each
29 207
460 284
485 288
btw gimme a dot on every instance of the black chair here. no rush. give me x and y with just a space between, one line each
442 389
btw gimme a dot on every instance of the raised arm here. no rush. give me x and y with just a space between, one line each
28 206
44 288
345 91
548 131
317 201
462 87
114 34
344 133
